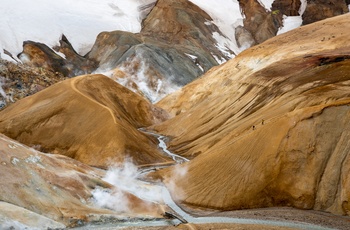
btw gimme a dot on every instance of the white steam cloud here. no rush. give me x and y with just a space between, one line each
114 200
136 75
126 179
178 172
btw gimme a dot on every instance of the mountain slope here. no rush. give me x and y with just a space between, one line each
276 133
53 186
90 118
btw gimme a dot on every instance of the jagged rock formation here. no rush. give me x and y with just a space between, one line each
90 118
262 24
56 188
19 80
40 55
276 133
286 7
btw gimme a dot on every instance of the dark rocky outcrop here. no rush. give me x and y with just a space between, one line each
262 24
40 55
19 80
171 30
317 10
78 64
286 7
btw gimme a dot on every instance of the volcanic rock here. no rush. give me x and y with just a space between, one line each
270 127
321 9
20 80
90 118
260 23
78 64
286 7
175 46
40 55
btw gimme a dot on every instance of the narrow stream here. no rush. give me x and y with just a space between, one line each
162 145
167 199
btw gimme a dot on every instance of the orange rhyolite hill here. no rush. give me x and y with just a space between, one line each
89 118
270 127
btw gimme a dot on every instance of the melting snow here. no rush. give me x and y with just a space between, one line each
266 3
302 7
193 57
290 23
223 44
220 61
227 16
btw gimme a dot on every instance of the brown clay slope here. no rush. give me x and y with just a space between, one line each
89 118
271 127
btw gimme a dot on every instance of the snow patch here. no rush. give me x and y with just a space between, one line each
302 7
266 3
226 16
81 21
193 57
217 59
223 44
24 58
290 23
